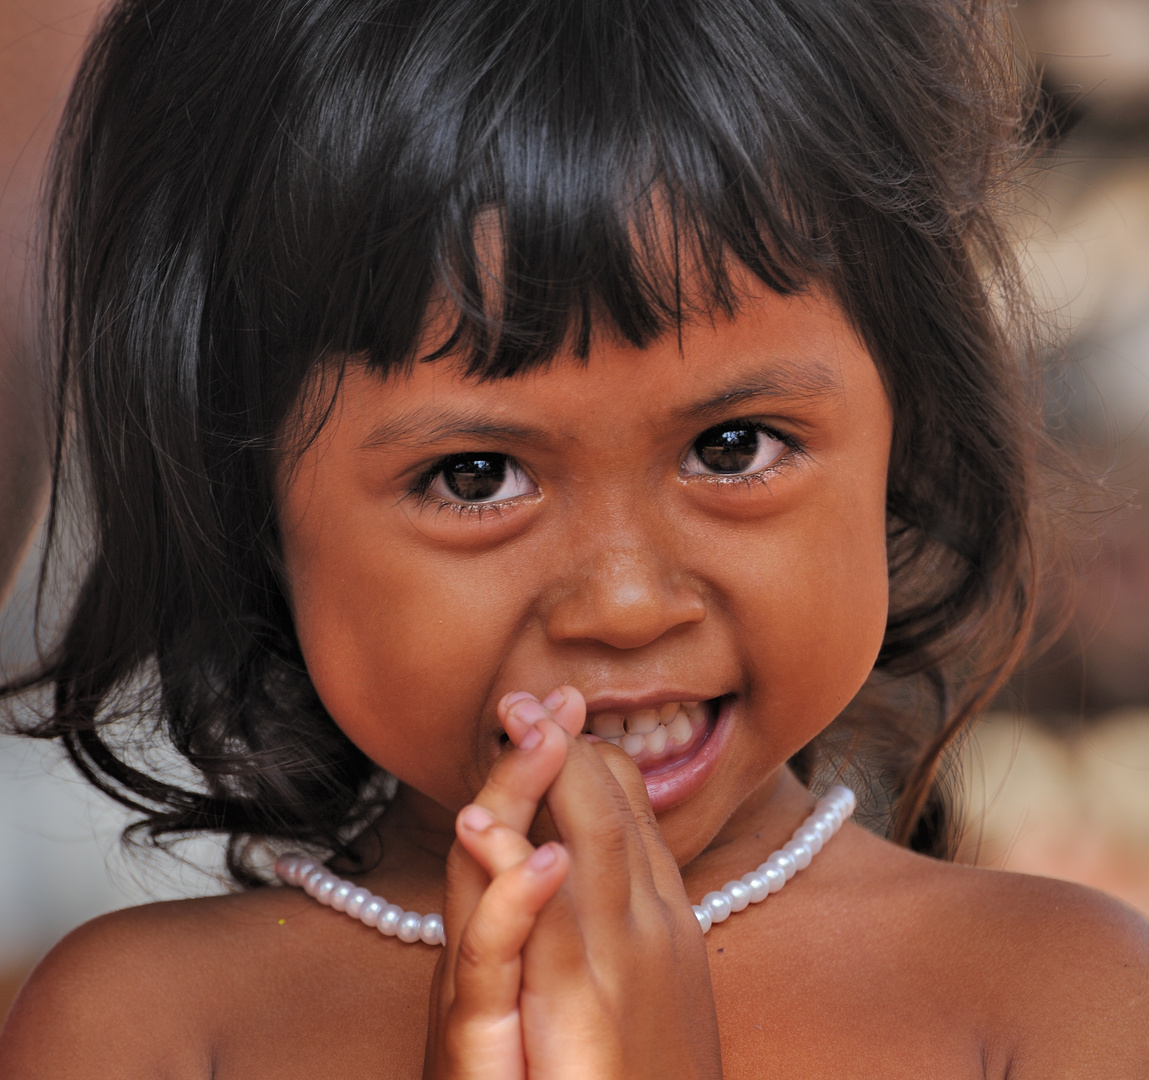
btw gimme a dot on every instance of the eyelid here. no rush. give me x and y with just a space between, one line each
795 447
421 488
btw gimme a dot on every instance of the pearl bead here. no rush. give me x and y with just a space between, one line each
785 862
388 921
304 868
758 885
800 852
431 929
369 913
718 904
410 927
739 895
845 797
313 881
811 838
773 875
356 900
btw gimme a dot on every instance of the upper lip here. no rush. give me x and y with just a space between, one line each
625 703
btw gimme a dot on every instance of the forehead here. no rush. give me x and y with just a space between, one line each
773 352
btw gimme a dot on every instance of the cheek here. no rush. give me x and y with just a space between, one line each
817 617
400 658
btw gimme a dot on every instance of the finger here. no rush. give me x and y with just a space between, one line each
592 815
568 707
525 770
511 794
487 976
494 846
466 883
664 868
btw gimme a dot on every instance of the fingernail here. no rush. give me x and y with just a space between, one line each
531 739
543 858
529 712
554 699
518 695
476 818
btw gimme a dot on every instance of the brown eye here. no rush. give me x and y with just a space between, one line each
733 448
727 448
477 478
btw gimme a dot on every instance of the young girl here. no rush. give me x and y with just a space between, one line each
511 433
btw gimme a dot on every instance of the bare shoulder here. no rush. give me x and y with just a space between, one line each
1057 973
130 993
1070 971
260 984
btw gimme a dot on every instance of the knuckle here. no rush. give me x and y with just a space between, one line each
506 847
501 783
608 837
472 956
644 815
459 861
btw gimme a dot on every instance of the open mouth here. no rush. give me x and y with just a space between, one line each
656 738
675 746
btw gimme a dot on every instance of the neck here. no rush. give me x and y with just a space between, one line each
762 823
411 840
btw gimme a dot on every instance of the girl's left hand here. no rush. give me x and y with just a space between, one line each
615 976
474 1029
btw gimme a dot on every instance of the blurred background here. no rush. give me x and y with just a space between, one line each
1056 779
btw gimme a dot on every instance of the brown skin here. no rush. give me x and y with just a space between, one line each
611 571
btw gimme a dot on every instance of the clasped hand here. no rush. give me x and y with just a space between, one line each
580 959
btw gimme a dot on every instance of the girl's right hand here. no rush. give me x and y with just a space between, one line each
615 976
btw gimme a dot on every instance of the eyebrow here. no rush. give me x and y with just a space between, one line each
430 423
810 380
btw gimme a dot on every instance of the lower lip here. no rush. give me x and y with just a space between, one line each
676 782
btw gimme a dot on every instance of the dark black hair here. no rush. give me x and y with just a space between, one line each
242 188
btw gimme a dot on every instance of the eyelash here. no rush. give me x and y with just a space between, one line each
421 492
421 489
795 450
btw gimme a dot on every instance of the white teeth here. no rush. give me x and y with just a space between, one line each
633 744
669 726
608 726
656 740
642 723
667 712
679 729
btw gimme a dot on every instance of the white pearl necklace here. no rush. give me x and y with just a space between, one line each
833 808
359 903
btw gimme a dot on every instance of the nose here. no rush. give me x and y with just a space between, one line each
625 595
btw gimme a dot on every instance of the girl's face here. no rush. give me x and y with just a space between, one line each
695 522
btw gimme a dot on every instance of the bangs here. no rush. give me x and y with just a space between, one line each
242 190
540 168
